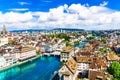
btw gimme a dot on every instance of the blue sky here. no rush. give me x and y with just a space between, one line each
42 14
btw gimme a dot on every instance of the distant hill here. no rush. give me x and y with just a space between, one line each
68 29
28 30
40 30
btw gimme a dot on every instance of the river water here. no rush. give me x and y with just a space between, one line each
42 68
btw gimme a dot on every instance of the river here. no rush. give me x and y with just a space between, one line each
42 68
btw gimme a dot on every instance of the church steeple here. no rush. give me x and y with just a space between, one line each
4 31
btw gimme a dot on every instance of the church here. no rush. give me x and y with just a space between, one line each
3 36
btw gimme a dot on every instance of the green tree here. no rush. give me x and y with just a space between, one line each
104 40
76 43
61 36
12 43
37 52
67 38
114 69
118 33
104 49
94 34
68 43
89 38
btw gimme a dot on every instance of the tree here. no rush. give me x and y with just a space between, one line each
68 43
118 33
114 69
37 52
104 40
67 38
12 42
89 38
61 36
76 43
104 49
94 34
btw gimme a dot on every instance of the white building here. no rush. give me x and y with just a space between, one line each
68 70
3 40
2 61
8 59
66 53
83 64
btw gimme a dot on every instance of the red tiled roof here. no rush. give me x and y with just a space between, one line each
94 75
112 56
72 65
67 49
83 59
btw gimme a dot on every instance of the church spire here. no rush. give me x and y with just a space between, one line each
4 31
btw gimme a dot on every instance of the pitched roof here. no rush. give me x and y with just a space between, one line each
83 59
97 63
101 63
67 49
93 75
72 65
85 52
112 56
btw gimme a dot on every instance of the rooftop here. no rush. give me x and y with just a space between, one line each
98 75
83 59
85 52
112 56
97 63
72 65
67 49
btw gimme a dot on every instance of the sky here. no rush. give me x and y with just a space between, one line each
48 14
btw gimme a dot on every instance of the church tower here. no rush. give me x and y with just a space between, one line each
4 31
3 36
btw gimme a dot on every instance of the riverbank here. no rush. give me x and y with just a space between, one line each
41 68
19 63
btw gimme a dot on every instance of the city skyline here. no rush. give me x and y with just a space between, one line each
45 14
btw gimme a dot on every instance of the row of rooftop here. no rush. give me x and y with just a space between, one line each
94 57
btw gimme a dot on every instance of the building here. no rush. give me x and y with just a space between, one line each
68 70
26 53
66 53
2 62
83 64
99 75
3 41
8 58
97 64
47 48
85 53
111 57
4 31
3 36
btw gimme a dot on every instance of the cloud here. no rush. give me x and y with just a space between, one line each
73 16
19 9
23 3
104 3
14 17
